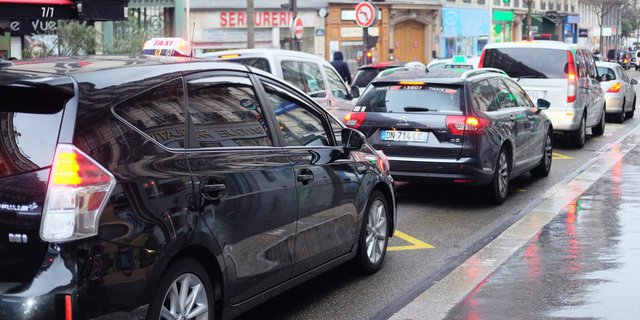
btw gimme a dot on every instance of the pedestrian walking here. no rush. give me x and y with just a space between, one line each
341 66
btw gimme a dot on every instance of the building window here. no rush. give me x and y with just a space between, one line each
543 5
496 2
481 2
516 3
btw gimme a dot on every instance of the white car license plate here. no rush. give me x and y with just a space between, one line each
406 136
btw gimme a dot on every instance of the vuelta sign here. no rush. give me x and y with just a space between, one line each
366 14
262 19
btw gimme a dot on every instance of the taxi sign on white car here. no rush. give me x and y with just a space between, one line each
175 47
459 63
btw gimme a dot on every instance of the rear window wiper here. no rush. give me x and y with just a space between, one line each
409 109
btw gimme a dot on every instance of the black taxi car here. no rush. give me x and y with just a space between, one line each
475 127
195 189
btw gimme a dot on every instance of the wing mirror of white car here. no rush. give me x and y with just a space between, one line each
543 104
634 81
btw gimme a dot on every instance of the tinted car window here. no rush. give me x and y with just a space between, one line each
504 97
608 72
364 76
521 98
291 73
260 63
28 140
483 96
299 125
392 97
226 113
159 113
527 62
338 89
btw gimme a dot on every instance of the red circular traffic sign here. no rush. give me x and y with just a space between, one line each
297 28
366 14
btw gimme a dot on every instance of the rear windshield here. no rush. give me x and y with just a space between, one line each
364 76
30 121
528 62
602 71
413 97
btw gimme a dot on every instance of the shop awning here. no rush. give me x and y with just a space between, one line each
102 10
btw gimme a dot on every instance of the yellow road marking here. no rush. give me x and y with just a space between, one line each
415 243
560 156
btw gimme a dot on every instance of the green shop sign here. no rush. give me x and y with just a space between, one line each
499 15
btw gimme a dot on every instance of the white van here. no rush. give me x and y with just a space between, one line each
309 73
563 74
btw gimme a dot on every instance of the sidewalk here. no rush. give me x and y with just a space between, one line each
575 255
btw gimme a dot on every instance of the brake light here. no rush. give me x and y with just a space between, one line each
78 191
459 125
481 58
354 119
615 88
572 88
68 308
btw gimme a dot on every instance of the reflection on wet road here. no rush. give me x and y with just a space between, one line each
584 264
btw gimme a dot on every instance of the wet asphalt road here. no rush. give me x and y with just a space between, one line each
583 265
454 222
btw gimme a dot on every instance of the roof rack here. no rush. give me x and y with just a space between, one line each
476 72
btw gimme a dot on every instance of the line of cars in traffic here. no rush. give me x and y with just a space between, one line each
200 189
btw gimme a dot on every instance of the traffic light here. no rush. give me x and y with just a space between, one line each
369 55
372 41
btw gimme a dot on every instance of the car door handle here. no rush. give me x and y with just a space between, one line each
305 176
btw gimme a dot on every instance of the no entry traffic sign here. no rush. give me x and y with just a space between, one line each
366 14
297 28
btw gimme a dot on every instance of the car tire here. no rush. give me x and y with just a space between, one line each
374 235
183 272
598 129
630 114
498 189
544 168
579 137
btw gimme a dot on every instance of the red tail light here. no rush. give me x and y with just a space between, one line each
482 58
459 125
68 308
572 88
615 88
354 119
78 190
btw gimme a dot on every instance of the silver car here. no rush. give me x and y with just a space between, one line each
620 96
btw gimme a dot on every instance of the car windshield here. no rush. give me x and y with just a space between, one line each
411 97
528 62
364 76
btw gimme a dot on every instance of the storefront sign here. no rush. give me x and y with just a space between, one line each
499 15
262 19
28 27
583 33
42 10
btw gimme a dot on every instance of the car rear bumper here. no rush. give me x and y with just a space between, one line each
434 170
614 103
564 119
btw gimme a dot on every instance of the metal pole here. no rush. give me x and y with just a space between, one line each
365 45
251 26
294 8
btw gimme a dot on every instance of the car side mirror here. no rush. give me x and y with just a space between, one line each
355 92
543 104
352 140
634 81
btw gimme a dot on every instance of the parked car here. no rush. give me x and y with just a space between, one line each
366 73
635 59
474 128
309 73
563 74
619 94
196 188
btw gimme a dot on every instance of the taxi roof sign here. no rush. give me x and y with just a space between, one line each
459 60
176 47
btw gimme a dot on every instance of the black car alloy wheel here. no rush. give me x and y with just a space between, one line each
499 186
374 235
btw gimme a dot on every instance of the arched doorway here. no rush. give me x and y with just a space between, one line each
408 38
